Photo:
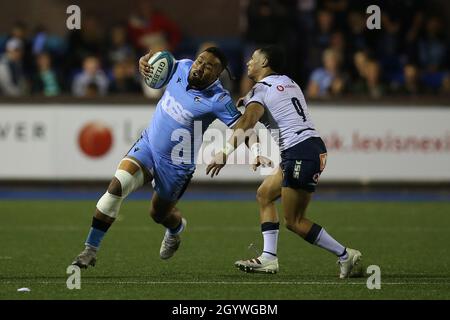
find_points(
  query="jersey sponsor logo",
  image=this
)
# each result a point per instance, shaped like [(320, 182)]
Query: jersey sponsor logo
[(280, 88), (175, 110)]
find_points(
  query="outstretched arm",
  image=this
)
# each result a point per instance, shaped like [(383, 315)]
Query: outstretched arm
[(248, 120), (252, 142)]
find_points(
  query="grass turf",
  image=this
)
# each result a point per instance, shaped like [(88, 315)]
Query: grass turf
[(39, 239)]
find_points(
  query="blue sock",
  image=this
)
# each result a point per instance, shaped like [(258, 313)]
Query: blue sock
[(177, 229), (94, 237), (96, 233)]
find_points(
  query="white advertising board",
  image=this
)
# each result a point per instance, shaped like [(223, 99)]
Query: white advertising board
[(86, 142)]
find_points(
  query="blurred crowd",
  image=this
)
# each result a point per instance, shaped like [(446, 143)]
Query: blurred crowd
[(330, 50)]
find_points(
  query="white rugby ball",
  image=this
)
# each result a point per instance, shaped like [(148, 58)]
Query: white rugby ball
[(163, 64)]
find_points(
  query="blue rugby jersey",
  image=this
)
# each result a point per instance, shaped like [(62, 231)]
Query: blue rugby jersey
[(183, 114)]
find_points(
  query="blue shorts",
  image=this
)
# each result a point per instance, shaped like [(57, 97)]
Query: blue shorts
[(303, 163), (169, 181)]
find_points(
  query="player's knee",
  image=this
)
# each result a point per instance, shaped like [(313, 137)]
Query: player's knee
[(121, 186), (115, 187), (291, 223), (262, 196), (128, 182)]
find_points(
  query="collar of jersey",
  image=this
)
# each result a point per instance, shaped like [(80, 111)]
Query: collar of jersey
[(270, 75), (208, 87)]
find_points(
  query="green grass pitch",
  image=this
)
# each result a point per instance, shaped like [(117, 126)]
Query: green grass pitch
[(39, 239)]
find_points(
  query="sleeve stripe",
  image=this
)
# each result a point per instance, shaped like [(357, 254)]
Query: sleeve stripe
[(265, 83), (254, 101), (234, 122)]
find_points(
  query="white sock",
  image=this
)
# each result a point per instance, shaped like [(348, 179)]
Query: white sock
[(324, 240), (270, 244)]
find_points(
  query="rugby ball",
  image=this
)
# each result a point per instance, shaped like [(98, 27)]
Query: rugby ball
[(163, 64)]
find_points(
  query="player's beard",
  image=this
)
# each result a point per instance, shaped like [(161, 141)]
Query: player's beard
[(197, 82)]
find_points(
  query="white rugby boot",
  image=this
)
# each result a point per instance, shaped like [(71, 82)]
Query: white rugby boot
[(171, 243), (88, 257), (258, 265), (346, 266)]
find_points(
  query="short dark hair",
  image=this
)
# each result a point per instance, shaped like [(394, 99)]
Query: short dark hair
[(276, 57), (219, 54)]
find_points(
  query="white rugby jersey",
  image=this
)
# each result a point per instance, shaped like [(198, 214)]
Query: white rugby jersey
[(285, 111)]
